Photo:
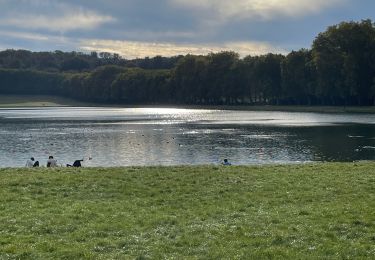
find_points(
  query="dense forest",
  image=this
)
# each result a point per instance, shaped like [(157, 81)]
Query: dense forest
[(339, 69)]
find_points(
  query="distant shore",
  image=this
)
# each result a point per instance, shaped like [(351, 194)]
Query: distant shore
[(14, 101), (18, 101)]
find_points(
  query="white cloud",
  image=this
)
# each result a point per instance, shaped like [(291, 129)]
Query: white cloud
[(65, 22), (54, 16), (25, 36), (133, 49), (263, 9), (41, 42)]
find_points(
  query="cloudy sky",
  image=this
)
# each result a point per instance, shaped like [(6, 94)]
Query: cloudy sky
[(139, 28)]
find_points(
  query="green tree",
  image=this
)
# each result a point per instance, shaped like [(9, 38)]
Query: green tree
[(189, 80), (344, 58), (98, 83), (298, 78), (220, 75)]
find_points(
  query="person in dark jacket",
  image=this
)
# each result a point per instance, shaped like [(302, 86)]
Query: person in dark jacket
[(77, 163)]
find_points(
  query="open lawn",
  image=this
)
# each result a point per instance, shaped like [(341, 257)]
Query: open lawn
[(206, 212)]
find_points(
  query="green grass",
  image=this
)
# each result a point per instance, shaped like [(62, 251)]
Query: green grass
[(207, 212)]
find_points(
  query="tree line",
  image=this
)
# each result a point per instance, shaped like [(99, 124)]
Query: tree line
[(339, 69)]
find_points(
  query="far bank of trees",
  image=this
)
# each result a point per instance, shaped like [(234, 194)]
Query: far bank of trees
[(339, 69)]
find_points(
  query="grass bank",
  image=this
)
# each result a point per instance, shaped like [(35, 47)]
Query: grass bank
[(296, 212)]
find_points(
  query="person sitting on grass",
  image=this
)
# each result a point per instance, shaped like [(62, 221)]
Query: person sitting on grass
[(51, 162), (226, 162), (31, 163), (77, 163)]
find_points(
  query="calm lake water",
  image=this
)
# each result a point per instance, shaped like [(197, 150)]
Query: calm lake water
[(156, 136)]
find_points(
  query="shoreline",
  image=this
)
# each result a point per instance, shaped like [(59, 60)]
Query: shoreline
[(25, 101), (197, 166)]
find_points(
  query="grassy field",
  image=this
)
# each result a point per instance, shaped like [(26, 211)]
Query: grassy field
[(208, 212)]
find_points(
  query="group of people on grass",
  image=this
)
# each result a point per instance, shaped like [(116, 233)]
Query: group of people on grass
[(51, 162)]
